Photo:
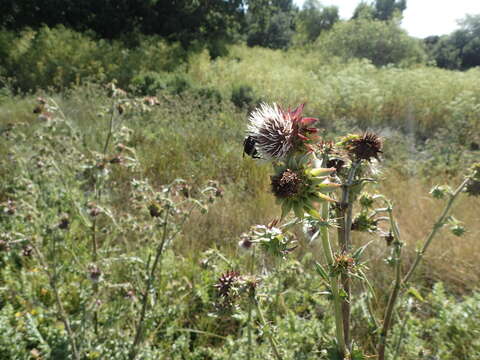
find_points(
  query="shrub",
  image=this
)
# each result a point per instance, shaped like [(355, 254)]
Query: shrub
[(243, 96), (381, 42)]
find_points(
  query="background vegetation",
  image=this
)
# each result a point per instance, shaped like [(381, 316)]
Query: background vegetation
[(204, 74)]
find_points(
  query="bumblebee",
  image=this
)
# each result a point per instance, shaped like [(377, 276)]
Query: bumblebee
[(249, 147)]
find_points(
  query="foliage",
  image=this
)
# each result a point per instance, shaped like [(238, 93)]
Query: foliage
[(381, 42), (60, 58), (270, 23), (313, 19), (201, 22), (460, 49), (191, 126), (382, 10)]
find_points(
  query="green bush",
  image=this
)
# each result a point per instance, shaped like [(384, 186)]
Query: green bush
[(381, 42), (60, 57), (243, 96)]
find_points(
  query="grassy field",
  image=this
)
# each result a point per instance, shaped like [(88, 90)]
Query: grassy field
[(98, 163)]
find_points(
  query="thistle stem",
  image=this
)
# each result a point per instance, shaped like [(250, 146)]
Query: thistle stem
[(272, 341), (396, 288), (327, 249), (434, 231), (344, 241)]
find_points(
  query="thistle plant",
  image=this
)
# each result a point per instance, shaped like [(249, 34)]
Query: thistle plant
[(322, 184)]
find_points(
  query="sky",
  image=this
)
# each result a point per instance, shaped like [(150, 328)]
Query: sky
[(422, 17)]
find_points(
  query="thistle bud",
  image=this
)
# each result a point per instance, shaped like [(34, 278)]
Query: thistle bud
[(458, 230)]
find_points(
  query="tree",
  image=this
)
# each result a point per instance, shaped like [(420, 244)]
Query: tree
[(461, 49), (380, 9), (313, 19), (185, 21), (270, 23)]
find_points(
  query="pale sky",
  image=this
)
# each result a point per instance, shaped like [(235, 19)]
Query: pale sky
[(422, 17)]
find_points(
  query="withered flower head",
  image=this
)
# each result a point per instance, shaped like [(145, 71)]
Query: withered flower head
[(388, 237), (473, 185), (27, 251), (154, 210), (4, 245), (64, 222), (277, 132), (364, 147), (286, 184), (227, 282), (94, 273)]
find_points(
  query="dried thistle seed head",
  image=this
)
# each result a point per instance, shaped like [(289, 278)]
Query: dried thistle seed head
[(4, 245), (27, 251), (365, 147), (473, 187), (246, 243), (64, 222), (94, 273), (94, 211), (286, 184), (226, 283), (154, 210), (388, 237)]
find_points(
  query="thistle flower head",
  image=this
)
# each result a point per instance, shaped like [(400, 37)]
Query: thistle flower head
[(363, 147), (226, 283), (297, 186), (286, 184), (277, 132)]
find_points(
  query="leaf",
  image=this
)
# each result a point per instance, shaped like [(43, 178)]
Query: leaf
[(286, 207), (321, 271), (298, 209), (359, 252), (414, 292), (369, 285)]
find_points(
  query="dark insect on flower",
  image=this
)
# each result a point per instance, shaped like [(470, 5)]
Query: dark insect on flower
[(249, 147)]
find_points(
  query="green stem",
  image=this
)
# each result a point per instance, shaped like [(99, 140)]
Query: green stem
[(327, 249), (344, 241), (268, 333), (434, 231), (150, 280), (395, 291)]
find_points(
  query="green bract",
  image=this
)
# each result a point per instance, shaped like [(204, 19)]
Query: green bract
[(298, 187)]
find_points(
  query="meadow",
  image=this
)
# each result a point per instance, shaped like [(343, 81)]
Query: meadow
[(106, 254)]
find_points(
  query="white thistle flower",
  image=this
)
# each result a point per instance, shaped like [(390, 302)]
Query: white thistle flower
[(276, 132), (272, 130)]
